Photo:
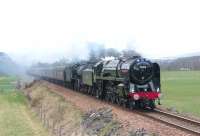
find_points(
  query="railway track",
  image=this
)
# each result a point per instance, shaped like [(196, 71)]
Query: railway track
[(179, 122), (185, 124)]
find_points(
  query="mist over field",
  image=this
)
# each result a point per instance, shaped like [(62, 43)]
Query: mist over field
[(70, 53), (47, 31)]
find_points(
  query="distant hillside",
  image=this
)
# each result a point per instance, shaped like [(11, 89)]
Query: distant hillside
[(7, 65), (184, 63)]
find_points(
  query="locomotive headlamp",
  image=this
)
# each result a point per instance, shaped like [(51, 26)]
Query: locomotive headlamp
[(132, 90), (136, 97)]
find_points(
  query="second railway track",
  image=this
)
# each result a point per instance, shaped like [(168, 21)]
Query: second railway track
[(177, 121)]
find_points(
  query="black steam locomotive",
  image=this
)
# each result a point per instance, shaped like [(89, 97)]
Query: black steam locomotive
[(132, 82)]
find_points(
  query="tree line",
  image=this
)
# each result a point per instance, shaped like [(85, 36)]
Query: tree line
[(184, 63), (96, 53)]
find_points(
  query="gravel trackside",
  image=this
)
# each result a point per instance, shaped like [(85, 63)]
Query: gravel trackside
[(128, 119)]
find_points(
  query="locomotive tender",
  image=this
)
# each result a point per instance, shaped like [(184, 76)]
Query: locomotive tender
[(132, 82)]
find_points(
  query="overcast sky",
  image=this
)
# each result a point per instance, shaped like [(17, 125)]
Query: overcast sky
[(46, 29)]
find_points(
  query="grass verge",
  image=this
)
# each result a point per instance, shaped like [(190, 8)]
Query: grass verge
[(16, 119)]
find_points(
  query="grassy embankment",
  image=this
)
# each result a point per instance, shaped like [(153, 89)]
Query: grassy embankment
[(16, 119), (182, 90)]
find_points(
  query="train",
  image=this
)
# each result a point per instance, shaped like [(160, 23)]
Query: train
[(131, 82)]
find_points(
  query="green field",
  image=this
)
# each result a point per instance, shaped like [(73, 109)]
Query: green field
[(16, 119), (7, 83), (182, 90)]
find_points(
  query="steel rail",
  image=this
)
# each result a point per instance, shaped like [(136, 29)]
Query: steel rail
[(178, 117), (171, 123)]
